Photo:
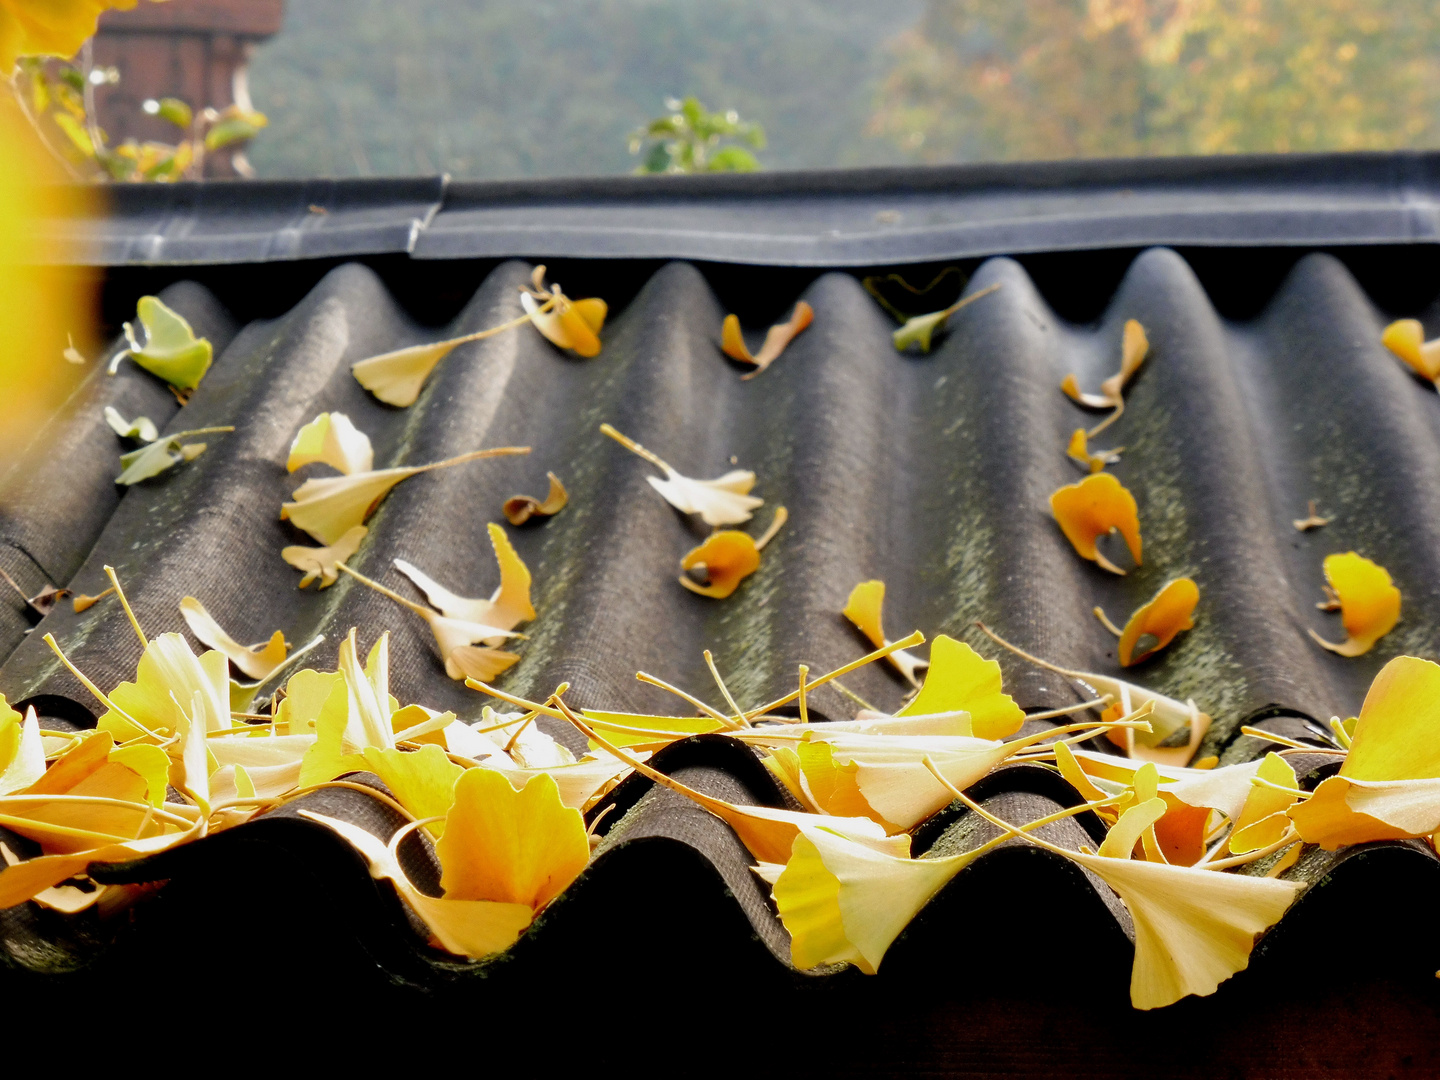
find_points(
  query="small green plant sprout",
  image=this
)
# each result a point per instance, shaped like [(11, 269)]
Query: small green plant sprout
[(688, 139)]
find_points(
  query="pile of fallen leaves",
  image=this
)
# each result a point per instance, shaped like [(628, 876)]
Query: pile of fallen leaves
[(1196, 852)]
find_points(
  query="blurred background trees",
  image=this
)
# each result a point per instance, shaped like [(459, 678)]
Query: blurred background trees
[(986, 79), (489, 89)]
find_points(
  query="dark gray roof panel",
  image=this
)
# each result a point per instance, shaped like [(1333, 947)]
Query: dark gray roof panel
[(932, 473), (863, 217)]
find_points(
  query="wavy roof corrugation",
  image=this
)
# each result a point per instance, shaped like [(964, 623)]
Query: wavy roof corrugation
[(929, 472)]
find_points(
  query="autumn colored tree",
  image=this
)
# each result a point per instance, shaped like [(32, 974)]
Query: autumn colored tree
[(993, 79)]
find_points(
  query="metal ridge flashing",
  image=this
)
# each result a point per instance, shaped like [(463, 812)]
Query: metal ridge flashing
[(252, 221), (822, 218)]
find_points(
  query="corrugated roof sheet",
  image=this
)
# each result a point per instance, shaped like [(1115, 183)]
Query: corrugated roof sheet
[(930, 472)]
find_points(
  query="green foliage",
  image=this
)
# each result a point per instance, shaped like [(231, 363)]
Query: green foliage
[(56, 97), (688, 138)]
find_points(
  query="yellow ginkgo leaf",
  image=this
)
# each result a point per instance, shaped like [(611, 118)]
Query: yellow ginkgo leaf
[(333, 439), (324, 562), (578, 782), (1120, 841), (891, 778), (422, 781), (397, 377), (1095, 507), (330, 753), (1406, 339), (885, 778), (306, 693), (22, 749), (257, 661), (1389, 785), (328, 507), (167, 678), (865, 608), (845, 902), (1134, 347), (767, 832), (1169, 613), (515, 847), (570, 324), (1369, 602), (507, 607), (1093, 460), (26, 880), (518, 509), (1262, 820), (354, 713), (727, 558), (472, 928), (642, 729), (123, 780), (1190, 796), (456, 639), (270, 763), (482, 662), (1193, 928), (960, 679), (725, 501), (1168, 717), (1397, 734), (171, 349), (732, 342)]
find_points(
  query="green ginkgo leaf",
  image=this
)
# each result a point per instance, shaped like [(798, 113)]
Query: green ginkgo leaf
[(921, 328), (171, 349), (154, 458), (141, 429)]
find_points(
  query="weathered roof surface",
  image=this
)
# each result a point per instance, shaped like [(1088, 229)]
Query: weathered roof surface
[(930, 472), (825, 219)]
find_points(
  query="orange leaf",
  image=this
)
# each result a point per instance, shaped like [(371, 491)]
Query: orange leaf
[(1093, 508), (732, 343)]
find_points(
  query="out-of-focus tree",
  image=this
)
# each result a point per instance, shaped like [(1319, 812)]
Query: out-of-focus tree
[(689, 138), (59, 99), (987, 79), (39, 38)]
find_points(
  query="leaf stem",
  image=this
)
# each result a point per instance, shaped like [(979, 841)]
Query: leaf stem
[(635, 448), (965, 300), (125, 603), (49, 639), (781, 516), (714, 714), (916, 638), (498, 451), (419, 609), (740, 721), (524, 703), (854, 696), (1105, 621)]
